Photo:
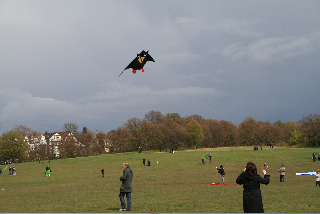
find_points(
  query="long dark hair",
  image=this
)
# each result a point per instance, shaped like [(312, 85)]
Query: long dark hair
[(251, 169)]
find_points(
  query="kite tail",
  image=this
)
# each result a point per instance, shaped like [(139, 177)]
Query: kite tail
[(134, 71), (142, 70)]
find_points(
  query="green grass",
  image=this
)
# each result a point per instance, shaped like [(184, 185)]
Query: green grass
[(180, 183)]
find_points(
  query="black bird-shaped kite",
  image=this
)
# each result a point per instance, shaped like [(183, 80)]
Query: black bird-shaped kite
[(139, 62)]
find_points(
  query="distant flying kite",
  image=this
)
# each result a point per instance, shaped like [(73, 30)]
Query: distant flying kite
[(139, 62)]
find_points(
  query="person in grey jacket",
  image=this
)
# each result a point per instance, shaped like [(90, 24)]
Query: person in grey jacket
[(126, 187)]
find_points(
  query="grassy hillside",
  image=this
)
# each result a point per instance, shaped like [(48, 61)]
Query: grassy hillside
[(180, 183)]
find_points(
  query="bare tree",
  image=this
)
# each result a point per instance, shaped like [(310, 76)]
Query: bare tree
[(70, 127), (24, 130), (154, 117)]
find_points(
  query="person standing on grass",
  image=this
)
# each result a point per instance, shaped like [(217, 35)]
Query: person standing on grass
[(221, 171), (252, 199), (48, 170), (126, 187), (282, 171), (13, 170), (102, 171), (318, 178)]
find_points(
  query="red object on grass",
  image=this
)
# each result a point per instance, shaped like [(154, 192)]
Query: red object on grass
[(223, 184)]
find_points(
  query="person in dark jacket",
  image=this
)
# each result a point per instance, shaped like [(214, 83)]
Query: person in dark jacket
[(126, 187), (221, 171), (102, 171), (252, 199)]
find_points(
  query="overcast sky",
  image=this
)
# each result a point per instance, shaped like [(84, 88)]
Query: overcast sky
[(224, 60)]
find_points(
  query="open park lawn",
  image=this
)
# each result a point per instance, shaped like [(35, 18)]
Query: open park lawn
[(180, 183)]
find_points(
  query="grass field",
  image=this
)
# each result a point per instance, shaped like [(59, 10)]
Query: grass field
[(180, 183)]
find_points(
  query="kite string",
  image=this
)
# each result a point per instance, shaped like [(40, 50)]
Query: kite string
[(190, 94)]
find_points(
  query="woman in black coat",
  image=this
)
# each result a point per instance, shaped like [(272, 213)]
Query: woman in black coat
[(252, 199)]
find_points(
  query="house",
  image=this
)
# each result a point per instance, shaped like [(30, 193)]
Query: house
[(51, 140), (103, 140)]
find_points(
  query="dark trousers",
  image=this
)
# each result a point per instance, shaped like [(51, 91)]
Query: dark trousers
[(123, 201), (281, 178)]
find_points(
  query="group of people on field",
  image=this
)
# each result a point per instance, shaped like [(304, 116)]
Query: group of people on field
[(252, 199), (315, 157), (249, 178), (12, 171)]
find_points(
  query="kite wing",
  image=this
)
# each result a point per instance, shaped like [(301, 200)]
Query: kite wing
[(135, 64)]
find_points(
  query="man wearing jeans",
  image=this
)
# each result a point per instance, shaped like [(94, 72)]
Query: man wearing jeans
[(126, 187)]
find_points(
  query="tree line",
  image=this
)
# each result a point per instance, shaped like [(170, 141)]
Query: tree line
[(157, 131)]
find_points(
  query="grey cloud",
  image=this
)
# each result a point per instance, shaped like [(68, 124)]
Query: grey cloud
[(20, 107), (273, 49)]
